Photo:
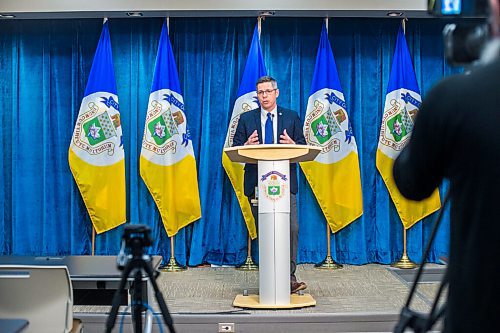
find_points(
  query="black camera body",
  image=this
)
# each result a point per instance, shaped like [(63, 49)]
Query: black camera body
[(464, 40), (137, 233), (135, 238)]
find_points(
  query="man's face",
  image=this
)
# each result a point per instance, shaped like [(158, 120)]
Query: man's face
[(267, 95)]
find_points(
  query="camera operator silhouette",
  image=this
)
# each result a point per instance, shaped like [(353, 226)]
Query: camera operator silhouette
[(455, 137)]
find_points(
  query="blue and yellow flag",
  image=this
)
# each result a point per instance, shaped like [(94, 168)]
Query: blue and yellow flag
[(167, 162), (96, 156), (402, 103), (246, 100), (334, 174)]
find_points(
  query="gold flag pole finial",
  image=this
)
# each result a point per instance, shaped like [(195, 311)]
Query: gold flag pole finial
[(259, 24)]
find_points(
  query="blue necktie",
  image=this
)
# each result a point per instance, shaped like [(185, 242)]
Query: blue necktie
[(269, 136)]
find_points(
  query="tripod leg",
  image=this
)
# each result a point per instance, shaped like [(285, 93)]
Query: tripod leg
[(110, 323), (148, 321), (167, 318), (137, 302)]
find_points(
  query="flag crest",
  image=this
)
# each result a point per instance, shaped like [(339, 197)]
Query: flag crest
[(246, 100), (167, 162), (402, 103), (96, 156), (334, 175)]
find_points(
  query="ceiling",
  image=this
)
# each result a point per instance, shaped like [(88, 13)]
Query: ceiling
[(63, 9)]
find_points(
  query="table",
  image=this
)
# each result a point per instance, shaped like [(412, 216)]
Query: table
[(94, 278)]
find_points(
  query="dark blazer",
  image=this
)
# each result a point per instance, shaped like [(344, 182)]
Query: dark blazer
[(249, 122)]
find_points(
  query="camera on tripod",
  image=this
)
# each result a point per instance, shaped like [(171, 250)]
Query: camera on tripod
[(136, 265), (135, 238), (464, 41)]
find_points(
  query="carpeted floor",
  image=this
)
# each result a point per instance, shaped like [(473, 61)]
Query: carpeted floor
[(368, 288)]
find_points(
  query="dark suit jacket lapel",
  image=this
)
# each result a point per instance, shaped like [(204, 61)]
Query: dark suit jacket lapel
[(280, 124), (258, 125)]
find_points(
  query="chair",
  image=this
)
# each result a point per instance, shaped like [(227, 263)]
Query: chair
[(41, 294)]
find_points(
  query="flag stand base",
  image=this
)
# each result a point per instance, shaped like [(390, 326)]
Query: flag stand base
[(172, 266), (404, 263), (249, 265), (329, 264)]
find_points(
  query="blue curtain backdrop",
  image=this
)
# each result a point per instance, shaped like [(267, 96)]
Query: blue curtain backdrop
[(44, 66)]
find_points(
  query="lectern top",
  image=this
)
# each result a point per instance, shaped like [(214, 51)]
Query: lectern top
[(272, 152)]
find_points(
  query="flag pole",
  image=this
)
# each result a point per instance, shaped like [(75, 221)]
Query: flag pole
[(259, 24), (172, 265), (104, 20), (93, 240), (249, 264), (328, 263), (404, 262)]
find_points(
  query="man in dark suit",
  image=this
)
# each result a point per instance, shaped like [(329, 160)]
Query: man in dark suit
[(272, 124)]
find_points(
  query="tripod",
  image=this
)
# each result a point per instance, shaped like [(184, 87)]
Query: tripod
[(137, 263), (420, 322)]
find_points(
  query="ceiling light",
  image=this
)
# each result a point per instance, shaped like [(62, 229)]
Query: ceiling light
[(135, 14), (395, 14), (267, 13)]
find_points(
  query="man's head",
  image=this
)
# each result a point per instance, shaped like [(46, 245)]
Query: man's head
[(267, 92)]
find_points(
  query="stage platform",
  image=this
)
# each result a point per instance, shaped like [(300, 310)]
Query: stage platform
[(364, 298)]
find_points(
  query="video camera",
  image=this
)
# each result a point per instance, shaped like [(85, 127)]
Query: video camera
[(135, 238), (137, 265), (465, 40)]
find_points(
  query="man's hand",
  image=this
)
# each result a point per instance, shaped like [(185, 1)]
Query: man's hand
[(253, 139), (284, 138)]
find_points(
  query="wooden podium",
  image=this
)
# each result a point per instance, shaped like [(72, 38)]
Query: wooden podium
[(273, 184)]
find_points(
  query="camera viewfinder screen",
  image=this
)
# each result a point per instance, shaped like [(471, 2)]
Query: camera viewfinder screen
[(451, 7)]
